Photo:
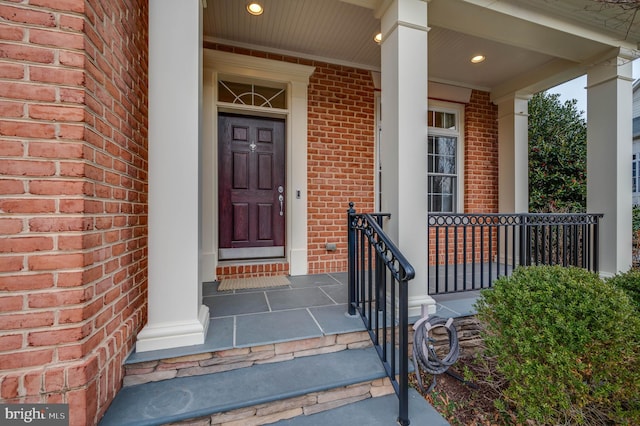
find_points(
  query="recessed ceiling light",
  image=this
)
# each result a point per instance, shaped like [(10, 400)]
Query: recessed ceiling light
[(478, 58), (378, 38), (255, 8)]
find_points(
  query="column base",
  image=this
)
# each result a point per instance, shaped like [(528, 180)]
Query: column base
[(208, 262), (421, 305), (174, 334), (298, 262)]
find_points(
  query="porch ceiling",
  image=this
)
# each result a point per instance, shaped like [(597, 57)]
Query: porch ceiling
[(530, 45)]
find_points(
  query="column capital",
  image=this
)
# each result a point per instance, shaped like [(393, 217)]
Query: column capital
[(404, 13), (609, 69), (512, 97)]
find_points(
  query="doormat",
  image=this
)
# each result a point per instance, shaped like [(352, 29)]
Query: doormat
[(250, 283)]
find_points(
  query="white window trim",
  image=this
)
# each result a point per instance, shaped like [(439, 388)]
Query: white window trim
[(458, 111)]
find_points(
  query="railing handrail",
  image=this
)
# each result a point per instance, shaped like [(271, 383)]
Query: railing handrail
[(363, 287), (404, 271), (436, 219)]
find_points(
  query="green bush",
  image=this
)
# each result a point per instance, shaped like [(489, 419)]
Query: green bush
[(630, 283), (567, 344)]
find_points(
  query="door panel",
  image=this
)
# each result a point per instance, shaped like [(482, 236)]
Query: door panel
[(265, 171), (240, 170), (251, 171)]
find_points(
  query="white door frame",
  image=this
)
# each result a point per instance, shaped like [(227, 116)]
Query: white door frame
[(296, 79)]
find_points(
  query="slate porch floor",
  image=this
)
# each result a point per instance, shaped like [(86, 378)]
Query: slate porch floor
[(311, 306)]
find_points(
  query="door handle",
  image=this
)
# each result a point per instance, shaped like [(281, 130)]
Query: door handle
[(281, 199)]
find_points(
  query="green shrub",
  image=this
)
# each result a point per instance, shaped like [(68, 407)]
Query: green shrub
[(630, 283), (567, 344)]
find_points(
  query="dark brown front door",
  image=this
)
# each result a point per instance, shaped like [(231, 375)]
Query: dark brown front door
[(251, 187)]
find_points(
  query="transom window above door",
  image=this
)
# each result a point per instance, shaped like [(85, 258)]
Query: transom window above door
[(251, 95)]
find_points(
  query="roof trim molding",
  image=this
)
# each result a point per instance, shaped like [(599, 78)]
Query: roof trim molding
[(251, 66), (290, 53)]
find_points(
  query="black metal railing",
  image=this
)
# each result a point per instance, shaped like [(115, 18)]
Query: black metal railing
[(378, 291), (469, 251)]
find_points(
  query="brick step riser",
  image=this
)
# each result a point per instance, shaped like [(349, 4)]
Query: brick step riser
[(252, 270)]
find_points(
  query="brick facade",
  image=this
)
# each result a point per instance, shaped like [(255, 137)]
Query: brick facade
[(73, 179), (73, 224)]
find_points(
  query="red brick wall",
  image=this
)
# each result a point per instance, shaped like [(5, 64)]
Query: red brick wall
[(481, 154), (340, 159), (73, 208)]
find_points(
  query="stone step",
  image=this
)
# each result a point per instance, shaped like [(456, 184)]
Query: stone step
[(382, 411), (166, 365), (259, 394)]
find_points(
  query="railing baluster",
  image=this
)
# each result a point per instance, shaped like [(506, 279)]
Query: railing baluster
[(490, 252), (455, 257), (482, 229), (464, 257), (473, 258), (437, 257), (446, 259), (596, 233), (514, 247), (370, 286), (586, 255)]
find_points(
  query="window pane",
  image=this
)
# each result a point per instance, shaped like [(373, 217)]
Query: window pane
[(249, 94), (270, 97), (445, 120), (447, 203), (442, 154), (442, 193), (229, 91), (435, 203), (445, 165)]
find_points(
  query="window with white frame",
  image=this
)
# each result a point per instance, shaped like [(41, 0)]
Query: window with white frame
[(444, 158)]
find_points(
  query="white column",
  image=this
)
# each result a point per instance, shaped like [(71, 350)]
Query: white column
[(513, 155), (175, 314), (609, 150), (513, 162), (403, 139)]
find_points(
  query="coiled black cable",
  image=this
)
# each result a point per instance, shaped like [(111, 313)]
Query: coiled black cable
[(424, 354)]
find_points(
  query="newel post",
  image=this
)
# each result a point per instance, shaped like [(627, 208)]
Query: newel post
[(351, 261)]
